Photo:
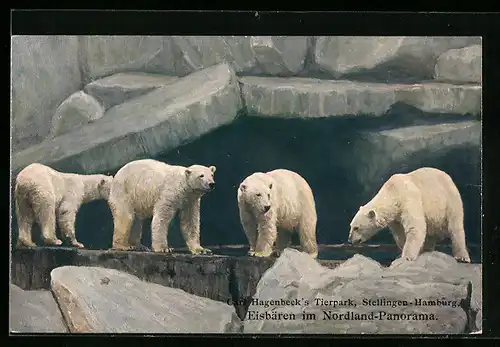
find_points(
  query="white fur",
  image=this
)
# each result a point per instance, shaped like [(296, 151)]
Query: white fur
[(149, 188), (291, 208), (43, 194), (420, 208)]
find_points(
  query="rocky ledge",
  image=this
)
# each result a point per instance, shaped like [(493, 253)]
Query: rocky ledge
[(129, 116)]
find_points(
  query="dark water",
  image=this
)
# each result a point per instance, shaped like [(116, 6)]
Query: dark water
[(321, 151)]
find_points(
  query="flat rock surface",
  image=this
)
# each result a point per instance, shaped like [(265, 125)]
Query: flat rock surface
[(103, 55), (102, 300), (460, 65), (120, 87), (34, 311), (315, 98), (360, 296), (144, 126)]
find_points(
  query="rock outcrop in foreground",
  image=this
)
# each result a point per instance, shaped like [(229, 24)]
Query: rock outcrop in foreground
[(221, 278), (433, 295), (98, 300), (140, 292), (34, 311)]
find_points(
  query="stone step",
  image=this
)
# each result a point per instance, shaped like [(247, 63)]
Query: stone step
[(144, 126), (316, 98)]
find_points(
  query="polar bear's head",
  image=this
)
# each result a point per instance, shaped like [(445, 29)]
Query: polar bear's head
[(257, 190), (104, 186), (200, 178), (365, 224)]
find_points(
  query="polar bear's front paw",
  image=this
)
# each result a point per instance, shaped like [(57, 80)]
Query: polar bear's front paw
[(121, 248), (163, 250), (77, 244), (462, 259), (201, 250), (409, 257), (23, 243), (52, 242)]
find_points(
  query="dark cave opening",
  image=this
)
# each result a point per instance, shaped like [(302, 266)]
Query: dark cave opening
[(322, 151)]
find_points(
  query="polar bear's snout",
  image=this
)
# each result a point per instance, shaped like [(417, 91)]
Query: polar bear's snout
[(354, 237)]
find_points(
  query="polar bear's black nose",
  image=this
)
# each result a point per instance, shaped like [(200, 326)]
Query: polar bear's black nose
[(266, 208), (211, 185)]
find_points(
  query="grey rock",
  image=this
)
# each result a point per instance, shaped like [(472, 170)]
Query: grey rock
[(126, 304), (105, 55), (386, 58), (460, 65), (34, 311), (280, 55), (318, 296), (274, 55), (120, 87), (384, 150), (44, 72), (443, 98), (144, 126), (74, 112), (314, 98)]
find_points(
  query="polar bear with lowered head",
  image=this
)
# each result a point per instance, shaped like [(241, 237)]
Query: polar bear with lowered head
[(148, 188), (45, 195), (420, 208), (272, 205)]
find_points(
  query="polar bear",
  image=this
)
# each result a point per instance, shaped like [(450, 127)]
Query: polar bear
[(45, 195), (149, 188), (420, 208), (274, 204)]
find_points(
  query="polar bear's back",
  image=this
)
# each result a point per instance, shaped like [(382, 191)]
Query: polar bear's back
[(38, 178), (438, 193), (141, 182), (295, 186), (295, 197)]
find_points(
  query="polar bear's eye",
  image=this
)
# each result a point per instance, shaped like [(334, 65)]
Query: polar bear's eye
[(201, 176), (259, 194)]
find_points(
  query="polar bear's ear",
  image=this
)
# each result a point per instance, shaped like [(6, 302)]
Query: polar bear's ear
[(270, 186), (243, 187), (188, 172), (371, 214), (213, 168)]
